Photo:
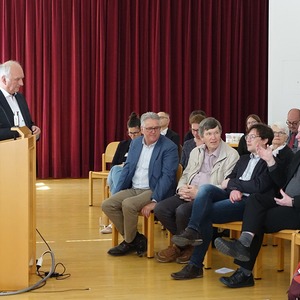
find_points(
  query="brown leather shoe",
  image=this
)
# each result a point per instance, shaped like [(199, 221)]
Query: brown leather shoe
[(185, 256), (168, 255)]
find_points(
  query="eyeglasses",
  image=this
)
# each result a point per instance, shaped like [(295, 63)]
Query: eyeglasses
[(292, 123), (251, 122), (149, 129), (251, 136), (279, 133), (195, 130), (133, 133)]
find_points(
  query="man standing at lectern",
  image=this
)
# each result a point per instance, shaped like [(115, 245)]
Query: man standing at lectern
[(14, 110)]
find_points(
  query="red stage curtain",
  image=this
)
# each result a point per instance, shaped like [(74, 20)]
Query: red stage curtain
[(89, 63)]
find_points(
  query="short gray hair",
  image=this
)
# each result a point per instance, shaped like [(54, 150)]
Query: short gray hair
[(149, 115), (209, 123), (5, 67), (282, 126)]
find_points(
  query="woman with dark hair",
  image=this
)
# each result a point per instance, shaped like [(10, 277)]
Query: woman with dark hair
[(250, 120)]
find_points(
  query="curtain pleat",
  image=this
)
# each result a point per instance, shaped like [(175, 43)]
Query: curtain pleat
[(89, 63)]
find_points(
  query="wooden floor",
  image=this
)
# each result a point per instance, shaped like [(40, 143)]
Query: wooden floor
[(72, 229)]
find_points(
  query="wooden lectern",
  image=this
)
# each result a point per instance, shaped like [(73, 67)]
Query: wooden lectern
[(17, 210)]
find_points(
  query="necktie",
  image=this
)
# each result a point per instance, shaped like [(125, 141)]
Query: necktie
[(292, 140)]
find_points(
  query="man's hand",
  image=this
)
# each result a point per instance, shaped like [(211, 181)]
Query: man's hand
[(235, 196), (188, 192), (286, 200), (36, 131), (146, 210), (266, 154)]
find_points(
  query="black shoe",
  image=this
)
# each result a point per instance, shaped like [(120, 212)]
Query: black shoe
[(140, 244), (188, 237), (233, 248), (121, 249), (188, 272), (238, 279)]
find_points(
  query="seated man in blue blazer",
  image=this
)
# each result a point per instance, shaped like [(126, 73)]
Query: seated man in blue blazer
[(14, 110), (148, 176)]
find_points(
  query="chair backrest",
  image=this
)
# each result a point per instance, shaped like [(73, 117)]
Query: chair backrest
[(108, 155), (179, 172)]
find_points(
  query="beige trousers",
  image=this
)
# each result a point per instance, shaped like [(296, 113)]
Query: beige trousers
[(123, 209)]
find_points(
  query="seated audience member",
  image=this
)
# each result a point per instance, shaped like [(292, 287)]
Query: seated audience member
[(279, 147), (148, 176), (211, 162), (165, 130), (189, 135), (196, 141), (134, 131), (273, 211), (226, 204), (293, 121), (242, 146)]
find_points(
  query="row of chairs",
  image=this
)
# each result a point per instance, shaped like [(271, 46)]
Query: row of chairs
[(234, 227)]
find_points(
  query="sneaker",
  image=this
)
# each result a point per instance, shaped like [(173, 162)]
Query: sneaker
[(168, 255), (238, 279), (188, 272), (233, 248), (185, 255), (107, 229), (188, 237)]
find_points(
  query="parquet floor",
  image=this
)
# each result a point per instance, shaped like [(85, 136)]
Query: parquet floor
[(71, 228)]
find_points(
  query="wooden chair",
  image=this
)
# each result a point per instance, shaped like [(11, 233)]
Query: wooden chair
[(107, 158), (235, 229), (287, 234), (295, 252), (147, 226), (280, 237)]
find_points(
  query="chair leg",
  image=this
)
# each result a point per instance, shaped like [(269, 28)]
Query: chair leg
[(115, 236), (280, 255), (150, 235), (169, 238), (90, 189), (207, 258), (257, 270), (295, 256)]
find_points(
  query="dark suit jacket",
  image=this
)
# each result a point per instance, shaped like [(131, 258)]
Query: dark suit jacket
[(7, 116), (173, 136), (162, 168), (282, 175), (259, 182)]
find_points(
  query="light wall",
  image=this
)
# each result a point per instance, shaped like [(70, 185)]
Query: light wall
[(284, 58)]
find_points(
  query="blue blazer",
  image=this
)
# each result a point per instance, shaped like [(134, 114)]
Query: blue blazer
[(7, 116), (162, 168)]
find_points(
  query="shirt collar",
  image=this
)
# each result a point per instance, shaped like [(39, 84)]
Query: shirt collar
[(164, 132)]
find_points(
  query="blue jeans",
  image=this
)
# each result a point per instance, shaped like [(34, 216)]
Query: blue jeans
[(113, 178), (212, 205)]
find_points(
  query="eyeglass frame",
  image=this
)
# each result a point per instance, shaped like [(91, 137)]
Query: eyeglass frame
[(279, 133), (251, 136), (295, 123), (134, 133), (149, 129)]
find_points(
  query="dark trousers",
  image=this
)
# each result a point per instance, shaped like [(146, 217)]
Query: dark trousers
[(174, 213), (263, 215)]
